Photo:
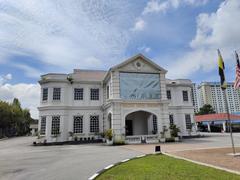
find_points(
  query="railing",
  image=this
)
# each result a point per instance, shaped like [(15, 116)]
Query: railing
[(151, 138), (141, 139), (133, 139)]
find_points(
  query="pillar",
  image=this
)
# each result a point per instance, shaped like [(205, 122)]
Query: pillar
[(208, 126), (224, 127)]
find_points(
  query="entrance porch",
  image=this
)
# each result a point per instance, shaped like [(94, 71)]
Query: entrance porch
[(141, 127)]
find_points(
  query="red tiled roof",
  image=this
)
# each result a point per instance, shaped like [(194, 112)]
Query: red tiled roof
[(216, 117)]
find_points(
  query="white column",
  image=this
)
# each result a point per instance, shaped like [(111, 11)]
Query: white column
[(208, 125), (224, 127), (48, 128)]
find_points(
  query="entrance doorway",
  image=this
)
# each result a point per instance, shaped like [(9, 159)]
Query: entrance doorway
[(129, 128), (140, 123)]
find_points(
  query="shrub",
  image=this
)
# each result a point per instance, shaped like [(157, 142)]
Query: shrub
[(118, 143), (170, 139), (70, 133), (108, 134), (174, 130)]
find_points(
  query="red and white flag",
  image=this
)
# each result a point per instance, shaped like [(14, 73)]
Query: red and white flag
[(237, 79)]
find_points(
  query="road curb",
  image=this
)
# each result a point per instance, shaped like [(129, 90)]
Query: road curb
[(112, 165), (201, 163), (4, 139), (164, 153)]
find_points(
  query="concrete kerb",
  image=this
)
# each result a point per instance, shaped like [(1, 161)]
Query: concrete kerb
[(201, 163), (112, 165), (2, 139)]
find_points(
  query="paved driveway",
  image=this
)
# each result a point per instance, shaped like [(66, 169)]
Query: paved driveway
[(213, 140), (19, 160)]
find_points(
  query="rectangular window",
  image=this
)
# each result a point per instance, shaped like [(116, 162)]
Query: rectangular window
[(56, 93), (78, 124), (185, 95), (171, 120), (188, 121), (107, 92), (94, 94), (94, 124), (43, 125), (155, 123), (45, 94), (55, 125), (169, 94), (78, 93)]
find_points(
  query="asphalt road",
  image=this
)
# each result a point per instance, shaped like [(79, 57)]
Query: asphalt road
[(19, 160)]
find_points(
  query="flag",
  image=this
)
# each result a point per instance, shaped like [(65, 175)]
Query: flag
[(237, 79), (221, 71)]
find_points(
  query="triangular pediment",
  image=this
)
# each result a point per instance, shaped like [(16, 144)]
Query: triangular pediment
[(139, 63)]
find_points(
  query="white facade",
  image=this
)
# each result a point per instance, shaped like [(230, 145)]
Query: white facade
[(211, 93), (145, 113)]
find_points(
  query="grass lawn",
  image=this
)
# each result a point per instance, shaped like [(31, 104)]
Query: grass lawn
[(164, 167)]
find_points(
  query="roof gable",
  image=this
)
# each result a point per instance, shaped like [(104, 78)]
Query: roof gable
[(143, 59)]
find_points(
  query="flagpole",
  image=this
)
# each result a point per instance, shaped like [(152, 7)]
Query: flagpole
[(229, 120)]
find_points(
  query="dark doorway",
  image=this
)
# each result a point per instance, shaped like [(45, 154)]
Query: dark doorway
[(129, 128)]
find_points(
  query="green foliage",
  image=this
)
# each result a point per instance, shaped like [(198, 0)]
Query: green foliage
[(118, 142), (13, 119), (70, 79), (108, 134), (206, 109), (164, 167), (174, 130), (70, 133), (171, 139)]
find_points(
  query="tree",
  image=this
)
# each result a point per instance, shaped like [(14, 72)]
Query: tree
[(5, 118), (206, 109), (13, 119)]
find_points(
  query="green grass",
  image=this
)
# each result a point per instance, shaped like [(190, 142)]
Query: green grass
[(164, 167)]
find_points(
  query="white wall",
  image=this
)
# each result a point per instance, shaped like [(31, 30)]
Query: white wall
[(66, 122), (67, 94)]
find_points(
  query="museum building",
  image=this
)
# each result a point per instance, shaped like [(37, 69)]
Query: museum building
[(133, 98)]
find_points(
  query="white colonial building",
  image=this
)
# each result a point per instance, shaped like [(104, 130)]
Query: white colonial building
[(133, 98)]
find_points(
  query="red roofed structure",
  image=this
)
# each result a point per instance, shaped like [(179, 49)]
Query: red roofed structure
[(217, 122), (216, 117)]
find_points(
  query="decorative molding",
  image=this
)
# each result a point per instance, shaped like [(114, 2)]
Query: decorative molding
[(70, 108)]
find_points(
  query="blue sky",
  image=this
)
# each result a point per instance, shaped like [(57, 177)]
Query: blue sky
[(38, 37)]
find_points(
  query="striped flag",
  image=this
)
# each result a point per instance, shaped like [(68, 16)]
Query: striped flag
[(221, 68), (237, 79)]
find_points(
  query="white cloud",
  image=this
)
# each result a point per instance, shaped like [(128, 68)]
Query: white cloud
[(5, 78), (29, 71), (28, 94), (216, 30), (64, 34), (144, 49), (139, 25), (220, 29), (159, 6), (156, 6)]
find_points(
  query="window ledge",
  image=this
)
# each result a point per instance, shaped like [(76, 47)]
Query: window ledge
[(42, 136), (56, 101), (93, 134), (78, 134), (55, 136)]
